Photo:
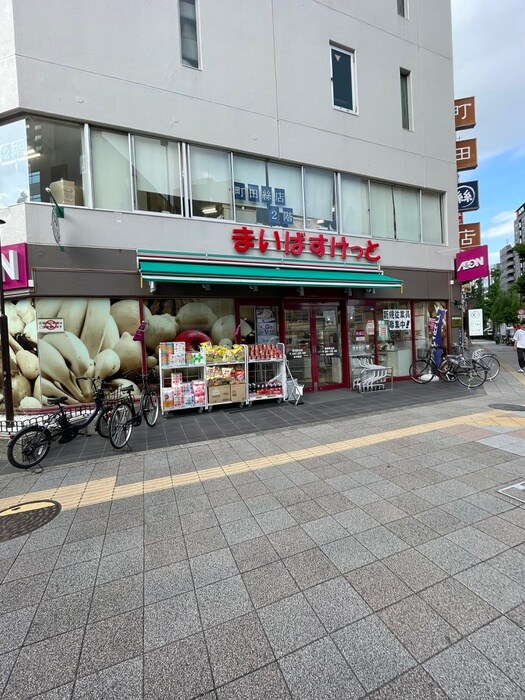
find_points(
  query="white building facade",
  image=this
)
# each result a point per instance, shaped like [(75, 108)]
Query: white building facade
[(222, 162)]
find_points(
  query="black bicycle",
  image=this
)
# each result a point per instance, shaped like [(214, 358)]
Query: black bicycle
[(469, 373), (127, 416), (425, 369), (30, 445)]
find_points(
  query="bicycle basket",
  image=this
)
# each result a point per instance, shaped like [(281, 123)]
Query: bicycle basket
[(477, 354)]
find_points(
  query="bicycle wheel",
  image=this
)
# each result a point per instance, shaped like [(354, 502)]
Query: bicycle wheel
[(491, 364), (421, 371), (102, 425), (447, 371), (120, 426), (151, 408), (29, 447), (472, 377)]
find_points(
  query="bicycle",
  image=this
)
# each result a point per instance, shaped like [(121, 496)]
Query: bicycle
[(30, 445), (126, 416), (470, 373), (489, 362), (425, 369)]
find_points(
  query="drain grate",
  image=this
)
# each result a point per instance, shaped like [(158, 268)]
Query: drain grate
[(24, 518), (515, 491), (507, 407)]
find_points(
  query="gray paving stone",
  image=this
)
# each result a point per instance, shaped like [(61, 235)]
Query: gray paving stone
[(108, 642), (384, 512), (510, 563), (435, 495), (205, 541), (306, 511), (503, 643), (438, 520), (372, 652), (241, 530), (412, 531), (497, 589), (44, 665), (223, 497), (157, 530), (122, 540), (411, 503), (465, 511), (361, 495), (381, 541), (517, 615), (447, 555), (164, 552), (223, 601), (125, 520), (120, 682), (64, 692), (7, 661), (502, 530), (290, 541), (377, 585), (461, 608), (325, 530), (269, 583), (478, 543), (310, 567), (237, 647), (86, 529), (33, 563), (179, 670), (347, 554), (262, 503), (492, 503), (355, 520), (167, 581), (117, 597), (421, 630), (515, 516), (71, 579), (413, 685), (236, 510), (170, 620), (334, 503), (414, 569), (290, 624), (120, 565), (466, 674), (58, 615), (385, 488), (319, 672), (44, 538), (14, 626), (212, 567), (274, 520), (265, 684), (291, 496), (199, 520), (336, 603), (253, 553)]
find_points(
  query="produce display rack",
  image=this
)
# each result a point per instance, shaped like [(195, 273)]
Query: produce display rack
[(266, 373)]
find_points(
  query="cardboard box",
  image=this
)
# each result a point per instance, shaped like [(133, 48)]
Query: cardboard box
[(66, 192), (238, 392), (219, 393)]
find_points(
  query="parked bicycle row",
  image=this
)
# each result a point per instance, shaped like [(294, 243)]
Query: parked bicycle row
[(471, 372), (115, 413)]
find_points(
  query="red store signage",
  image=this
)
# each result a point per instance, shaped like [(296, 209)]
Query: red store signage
[(246, 239)]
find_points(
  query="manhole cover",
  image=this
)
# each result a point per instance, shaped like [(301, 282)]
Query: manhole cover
[(515, 491), (507, 407), (26, 517)]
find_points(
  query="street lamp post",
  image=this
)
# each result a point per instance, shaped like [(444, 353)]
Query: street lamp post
[(4, 342)]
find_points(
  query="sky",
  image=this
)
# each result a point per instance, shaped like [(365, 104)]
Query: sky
[(489, 64)]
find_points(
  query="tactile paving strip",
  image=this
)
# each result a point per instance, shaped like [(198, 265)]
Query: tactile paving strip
[(25, 517)]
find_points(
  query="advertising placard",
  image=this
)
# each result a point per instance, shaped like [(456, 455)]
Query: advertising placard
[(472, 264)]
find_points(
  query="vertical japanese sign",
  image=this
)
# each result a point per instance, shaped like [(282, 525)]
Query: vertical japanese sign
[(437, 336), (465, 113)]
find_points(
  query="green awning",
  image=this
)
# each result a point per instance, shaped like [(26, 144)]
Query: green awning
[(210, 273)]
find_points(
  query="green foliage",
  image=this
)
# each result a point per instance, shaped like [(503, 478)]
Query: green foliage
[(520, 250), (505, 307), (519, 284)]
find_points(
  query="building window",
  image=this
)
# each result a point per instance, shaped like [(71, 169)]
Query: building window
[(157, 175), (402, 8), (286, 193), (343, 79), (189, 45), (111, 170), (14, 155), (210, 183), (319, 194), (395, 212), (404, 77), (432, 217), (355, 220), (250, 176)]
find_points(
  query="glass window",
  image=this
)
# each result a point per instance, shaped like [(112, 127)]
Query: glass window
[(189, 47), (432, 217), (343, 79), (157, 175), (382, 210), (286, 207), (210, 183), (404, 77), (14, 178), (55, 150), (394, 335), (111, 170), (354, 206), (250, 176), (402, 8), (319, 192), (407, 215)]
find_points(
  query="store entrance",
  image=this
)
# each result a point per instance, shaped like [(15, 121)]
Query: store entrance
[(313, 345)]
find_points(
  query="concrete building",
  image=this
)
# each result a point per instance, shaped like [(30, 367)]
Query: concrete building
[(509, 265), (224, 161)]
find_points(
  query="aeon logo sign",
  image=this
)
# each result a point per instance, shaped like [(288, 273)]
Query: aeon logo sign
[(14, 266), (472, 264)]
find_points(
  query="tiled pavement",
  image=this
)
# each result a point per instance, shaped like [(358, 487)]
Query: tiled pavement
[(363, 556)]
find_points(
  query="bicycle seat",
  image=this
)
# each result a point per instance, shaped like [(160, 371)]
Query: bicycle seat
[(56, 401)]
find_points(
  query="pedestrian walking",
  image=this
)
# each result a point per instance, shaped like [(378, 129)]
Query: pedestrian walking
[(519, 345)]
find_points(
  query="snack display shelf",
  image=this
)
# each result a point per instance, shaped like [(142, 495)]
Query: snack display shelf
[(266, 373)]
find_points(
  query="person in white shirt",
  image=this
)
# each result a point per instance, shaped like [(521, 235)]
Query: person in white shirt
[(519, 345)]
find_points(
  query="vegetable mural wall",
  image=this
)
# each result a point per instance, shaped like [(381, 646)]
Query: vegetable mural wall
[(97, 340)]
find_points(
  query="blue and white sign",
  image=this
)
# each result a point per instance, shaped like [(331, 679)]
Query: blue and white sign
[(468, 196), (274, 218), (239, 189), (266, 194), (280, 197), (287, 216), (253, 193)]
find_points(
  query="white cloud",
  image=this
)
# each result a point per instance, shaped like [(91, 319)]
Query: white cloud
[(502, 226), (489, 63)]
